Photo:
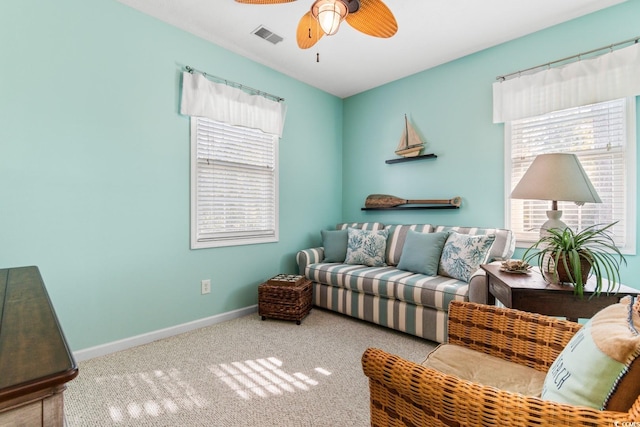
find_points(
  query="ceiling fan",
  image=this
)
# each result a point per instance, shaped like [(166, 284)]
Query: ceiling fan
[(371, 17)]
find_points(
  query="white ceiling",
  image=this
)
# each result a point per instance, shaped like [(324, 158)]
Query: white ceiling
[(430, 33)]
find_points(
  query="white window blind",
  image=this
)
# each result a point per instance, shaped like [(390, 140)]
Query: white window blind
[(234, 185), (598, 134)]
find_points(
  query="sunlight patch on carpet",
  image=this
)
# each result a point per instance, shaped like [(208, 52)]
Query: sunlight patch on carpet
[(262, 378), (171, 394)]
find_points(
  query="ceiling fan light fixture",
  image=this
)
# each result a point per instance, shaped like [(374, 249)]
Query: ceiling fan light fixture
[(329, 14)]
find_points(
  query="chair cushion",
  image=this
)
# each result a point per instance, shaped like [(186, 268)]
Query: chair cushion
[(487, 370), (592, 368)]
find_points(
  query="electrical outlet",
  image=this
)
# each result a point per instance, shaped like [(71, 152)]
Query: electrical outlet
[(205, 286)]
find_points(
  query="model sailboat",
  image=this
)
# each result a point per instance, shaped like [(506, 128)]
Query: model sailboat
[(410, 144)]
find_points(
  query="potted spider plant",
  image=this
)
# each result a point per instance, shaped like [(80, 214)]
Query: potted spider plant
[(569, 257)]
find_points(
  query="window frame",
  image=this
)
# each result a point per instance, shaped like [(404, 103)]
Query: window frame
[(630, 180), (196, 242)]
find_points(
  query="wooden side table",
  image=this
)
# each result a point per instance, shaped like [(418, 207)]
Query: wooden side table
[(530, 292), (35, 360), (285, 297)]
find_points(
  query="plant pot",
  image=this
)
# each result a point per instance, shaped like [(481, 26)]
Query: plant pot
[(594, 246), (563, 275)]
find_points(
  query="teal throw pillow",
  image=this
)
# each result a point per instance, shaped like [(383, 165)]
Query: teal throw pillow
[(335, 245), (463, 253), (366, 247), (421, 252), (598, 358)]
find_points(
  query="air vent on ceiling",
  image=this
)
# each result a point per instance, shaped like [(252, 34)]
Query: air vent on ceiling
[(268, 35)]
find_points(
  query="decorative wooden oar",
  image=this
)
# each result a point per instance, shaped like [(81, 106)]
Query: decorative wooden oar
[(386, 201)]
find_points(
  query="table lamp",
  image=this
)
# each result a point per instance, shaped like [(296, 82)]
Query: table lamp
[(556, 177)]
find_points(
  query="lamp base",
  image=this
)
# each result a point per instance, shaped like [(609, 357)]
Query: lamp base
[(553, 222), (548, 267)]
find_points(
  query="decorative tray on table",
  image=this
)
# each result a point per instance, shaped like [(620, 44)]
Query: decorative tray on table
[(515, 266)]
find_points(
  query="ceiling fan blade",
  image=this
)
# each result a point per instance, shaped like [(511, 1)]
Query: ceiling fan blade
[(373, 18), (309, 31), (264, 1)]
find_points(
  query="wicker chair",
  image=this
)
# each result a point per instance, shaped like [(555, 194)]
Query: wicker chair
[(404, 393)]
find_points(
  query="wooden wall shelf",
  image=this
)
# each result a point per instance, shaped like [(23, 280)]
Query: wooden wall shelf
[(406, 208), (410, 159)]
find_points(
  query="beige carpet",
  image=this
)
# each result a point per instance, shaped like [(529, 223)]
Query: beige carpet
[(244, 372)]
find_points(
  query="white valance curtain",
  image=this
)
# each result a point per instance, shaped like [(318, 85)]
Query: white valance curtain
[(610, 76), (203, 98)]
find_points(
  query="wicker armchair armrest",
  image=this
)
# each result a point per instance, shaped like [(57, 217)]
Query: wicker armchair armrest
[(406, 393), (529, 339), (308, 256)]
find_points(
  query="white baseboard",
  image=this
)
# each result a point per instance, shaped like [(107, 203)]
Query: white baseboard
[(112, 347)]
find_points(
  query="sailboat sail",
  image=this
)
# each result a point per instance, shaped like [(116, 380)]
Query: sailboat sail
[(410, 144)]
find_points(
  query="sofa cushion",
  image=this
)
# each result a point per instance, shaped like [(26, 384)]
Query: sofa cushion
[(421, 252), (503, 246), (484, 369), (462, 255), (334, 243), (429, 291), (366, 247), (397, 237), (598, 357), (377, 281), (373, 226)]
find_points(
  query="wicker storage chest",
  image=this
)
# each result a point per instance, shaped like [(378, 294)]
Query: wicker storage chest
[(285, 297)]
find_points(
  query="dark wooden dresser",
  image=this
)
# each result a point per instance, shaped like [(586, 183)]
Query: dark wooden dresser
[(35, 360)]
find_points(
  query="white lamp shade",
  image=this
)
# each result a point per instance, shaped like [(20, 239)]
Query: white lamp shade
[(557, 177)]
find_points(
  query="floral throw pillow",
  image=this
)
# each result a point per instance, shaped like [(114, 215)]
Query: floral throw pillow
[(366, 247), (462, 255)]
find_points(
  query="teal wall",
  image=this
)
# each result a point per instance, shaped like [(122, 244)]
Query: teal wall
[(451, 105), (94, 169), (94, 158)]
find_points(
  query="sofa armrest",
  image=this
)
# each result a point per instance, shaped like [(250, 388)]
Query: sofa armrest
[(478, 286), (529, 339), (406, 393), (308, 256)]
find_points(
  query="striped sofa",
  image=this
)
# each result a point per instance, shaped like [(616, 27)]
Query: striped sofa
[(409, 302)]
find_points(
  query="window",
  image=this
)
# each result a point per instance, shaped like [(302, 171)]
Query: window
[(234, 185), (603, 137)]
